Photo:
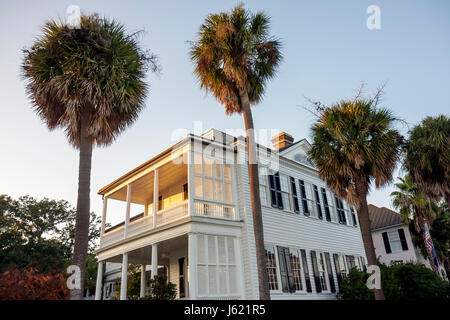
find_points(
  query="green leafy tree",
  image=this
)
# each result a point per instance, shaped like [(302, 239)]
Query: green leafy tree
[(427, 157), (413, 204), (440, 234), (88, 81), (162, 289), (354, 144), (39, 234), (234, 57)]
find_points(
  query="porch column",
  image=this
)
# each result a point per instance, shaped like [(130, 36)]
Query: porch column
[(191, 181), (127, 212), (124, 277), (155, 197), (105, 206), (99, 285), (154, 260), (142, 293), (192, 262)]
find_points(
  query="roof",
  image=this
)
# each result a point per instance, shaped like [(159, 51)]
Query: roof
[(383, 217)]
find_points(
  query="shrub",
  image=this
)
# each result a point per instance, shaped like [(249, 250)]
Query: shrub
[(353, 286), (411, 281), (30, 284), (401, 281)]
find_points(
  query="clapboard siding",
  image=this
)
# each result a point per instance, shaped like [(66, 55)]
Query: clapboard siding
[(289, 229)]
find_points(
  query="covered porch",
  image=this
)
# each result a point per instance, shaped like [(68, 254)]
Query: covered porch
[(171, 255)]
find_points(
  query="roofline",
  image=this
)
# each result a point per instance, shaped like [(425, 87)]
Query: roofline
[(103, 190), (389, 226)]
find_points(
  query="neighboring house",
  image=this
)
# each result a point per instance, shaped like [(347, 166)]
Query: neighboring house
[(392, 239), (200, 232)]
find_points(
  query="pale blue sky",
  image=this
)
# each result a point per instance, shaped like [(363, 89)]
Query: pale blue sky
[(328, 51)]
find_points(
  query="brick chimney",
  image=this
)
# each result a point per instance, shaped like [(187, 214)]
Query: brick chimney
[(282, 141)]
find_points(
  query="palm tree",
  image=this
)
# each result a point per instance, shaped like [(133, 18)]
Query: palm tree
[(428, 157), (353, 145), (234, 57), (413, 204), (90, 82)]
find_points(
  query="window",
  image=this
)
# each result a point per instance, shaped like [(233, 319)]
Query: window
[(394, 241), (325, 204), (322, 272), (294, 258), (319, 271), (306, 271), (294, 195), (339, 266), (350, 262), (285, 192), (217, 270), (317, 198), (271, 266), (340, 210), (275, 191), (305, 193), (329, 272), (212, 179)]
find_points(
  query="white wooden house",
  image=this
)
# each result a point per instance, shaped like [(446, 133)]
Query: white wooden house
[(200, 233)]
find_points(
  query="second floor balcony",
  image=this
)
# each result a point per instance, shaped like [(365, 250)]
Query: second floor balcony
[(184, 185)]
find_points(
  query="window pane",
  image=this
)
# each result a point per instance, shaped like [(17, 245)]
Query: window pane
[(230, 248), (201, 256), (233, 279), (218, 190), (198, 187), (218, 170), (271, 268), (208, 188), (228, 196), (198, 163), (223, 270), (211, 249), (202, 280), (208, 166), (227, 171), (212, 277), (221, 248)]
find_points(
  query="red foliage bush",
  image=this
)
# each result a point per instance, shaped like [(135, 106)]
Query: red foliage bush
[(31, 285)]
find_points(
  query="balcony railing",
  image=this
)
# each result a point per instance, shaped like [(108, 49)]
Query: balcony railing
[(212, 209), (141, 223)]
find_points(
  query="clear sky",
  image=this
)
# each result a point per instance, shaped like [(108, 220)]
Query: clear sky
[(328, 52)]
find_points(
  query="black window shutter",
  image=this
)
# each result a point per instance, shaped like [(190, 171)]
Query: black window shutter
[(387, 246), (316, 272), (283, 269), (330, 272), (306, 271), (338, 268), (273, 195), (325, 202), (401, 234), (319, 208), (294, 195)]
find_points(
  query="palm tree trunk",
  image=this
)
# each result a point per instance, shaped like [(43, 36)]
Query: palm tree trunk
[(366, 232), (83, 207), (264, 293)]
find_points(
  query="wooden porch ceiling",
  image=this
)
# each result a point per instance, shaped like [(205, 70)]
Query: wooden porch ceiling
[(142, 189)]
